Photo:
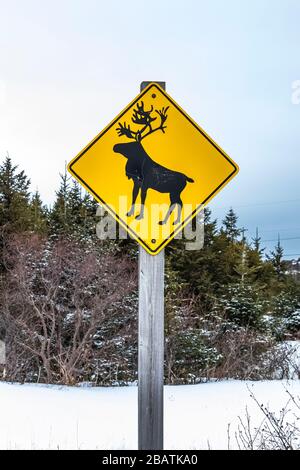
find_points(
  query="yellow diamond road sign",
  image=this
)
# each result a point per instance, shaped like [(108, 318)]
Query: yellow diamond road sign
[(153, 168)]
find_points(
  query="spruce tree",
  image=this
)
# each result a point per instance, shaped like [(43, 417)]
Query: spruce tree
[(248, 265), (210, 227), (257, 243), (89, 210), (82, 210), (59, 217), (14, 197), (230, 228), (260, 271), (276, 258), (39, 214), (75, 210), (196, 268)]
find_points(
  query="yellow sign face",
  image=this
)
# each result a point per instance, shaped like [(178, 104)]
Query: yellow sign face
[(153, 168)]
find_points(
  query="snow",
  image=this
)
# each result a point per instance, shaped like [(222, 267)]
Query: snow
[(196, 416)]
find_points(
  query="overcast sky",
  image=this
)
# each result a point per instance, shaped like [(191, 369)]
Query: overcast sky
[(68, 67)]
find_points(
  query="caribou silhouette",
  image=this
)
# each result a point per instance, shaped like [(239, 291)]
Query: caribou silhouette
[(145, 172)]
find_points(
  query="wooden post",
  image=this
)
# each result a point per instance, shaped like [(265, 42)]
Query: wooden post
[(151, 346)]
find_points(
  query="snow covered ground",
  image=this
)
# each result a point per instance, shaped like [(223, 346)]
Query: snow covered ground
[(196, 416)]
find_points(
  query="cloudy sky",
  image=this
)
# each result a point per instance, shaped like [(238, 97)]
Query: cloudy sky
[(68, 67)]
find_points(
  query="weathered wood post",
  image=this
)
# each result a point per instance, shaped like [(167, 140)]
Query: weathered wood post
[(151, 346)]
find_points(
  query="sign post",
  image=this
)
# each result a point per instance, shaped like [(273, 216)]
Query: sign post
[(151, 347), (153, 169)]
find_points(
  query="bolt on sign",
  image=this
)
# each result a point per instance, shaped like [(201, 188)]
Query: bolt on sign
[(153, 168)]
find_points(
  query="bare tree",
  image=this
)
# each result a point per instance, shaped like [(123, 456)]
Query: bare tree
[(57, 297)]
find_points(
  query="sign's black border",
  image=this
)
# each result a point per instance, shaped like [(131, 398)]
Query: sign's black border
[(187, 220)]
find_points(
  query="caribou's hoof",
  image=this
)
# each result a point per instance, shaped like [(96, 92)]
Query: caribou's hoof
[(161, 222), (139, 217), (129, 214)]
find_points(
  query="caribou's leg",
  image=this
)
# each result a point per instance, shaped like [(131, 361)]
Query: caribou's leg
[(143, 199), (135, 192), (170, 210), (175, 201), (179, 205)]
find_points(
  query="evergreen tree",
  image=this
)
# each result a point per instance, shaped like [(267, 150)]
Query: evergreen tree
[(276, 258), (240, 305), (230, 228), (210, 227), (14, 197), (261, 271), (208, 269), (226, 255), (89, 208), (82, 210), (257, 243), (75, 211), (59, 217), (248, 265), (39, 214)]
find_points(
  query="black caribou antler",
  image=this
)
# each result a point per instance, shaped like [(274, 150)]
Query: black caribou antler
[(141, 117)]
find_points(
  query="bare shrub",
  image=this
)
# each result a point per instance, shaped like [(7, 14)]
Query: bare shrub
[(276, 431), (201, 346), (241, 352), (281, 361), (56, 298)]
